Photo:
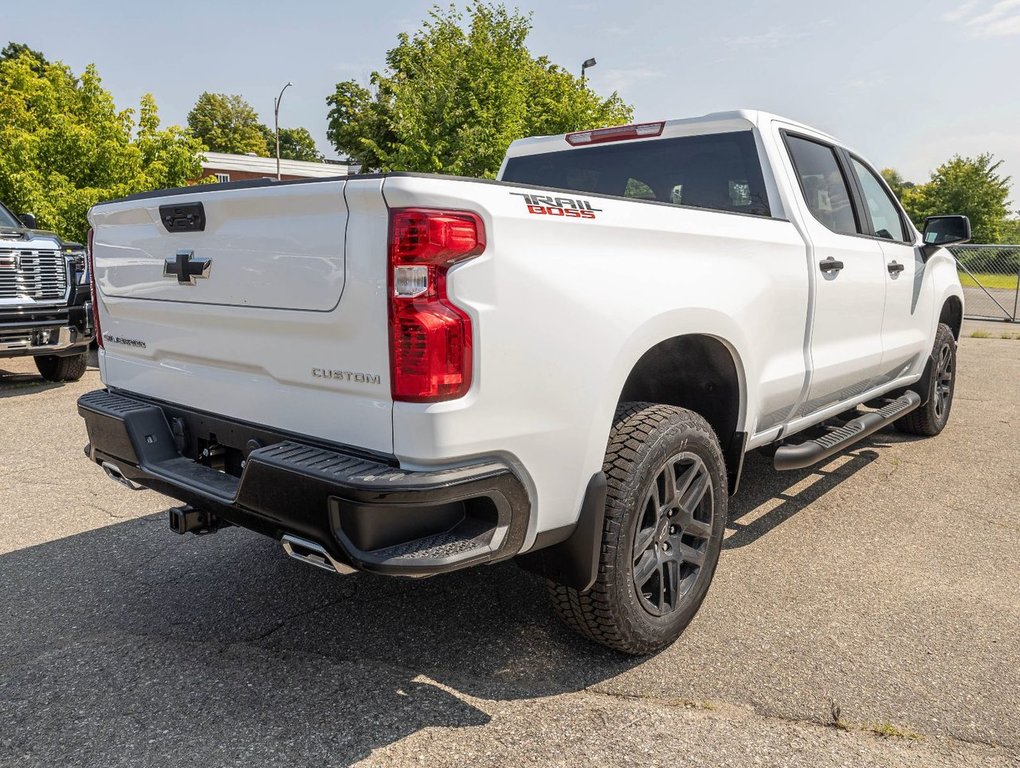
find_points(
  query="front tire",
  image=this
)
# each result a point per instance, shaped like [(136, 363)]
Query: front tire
[(665, 513), (931, 418), (70, 368)]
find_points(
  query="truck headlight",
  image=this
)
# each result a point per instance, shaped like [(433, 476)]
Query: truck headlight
[(80, 266)]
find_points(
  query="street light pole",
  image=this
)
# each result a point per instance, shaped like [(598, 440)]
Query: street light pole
[(276, 120), (587, 65)]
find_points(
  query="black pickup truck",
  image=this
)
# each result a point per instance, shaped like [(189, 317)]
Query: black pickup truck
[(45, 309)]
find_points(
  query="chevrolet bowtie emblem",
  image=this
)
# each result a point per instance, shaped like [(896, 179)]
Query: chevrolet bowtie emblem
[(185, 267)]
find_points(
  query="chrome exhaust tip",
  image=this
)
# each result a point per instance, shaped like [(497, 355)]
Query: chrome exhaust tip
[(113, 472), (313, 554)]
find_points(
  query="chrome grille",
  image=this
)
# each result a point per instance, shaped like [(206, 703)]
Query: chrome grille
[(38, 275)]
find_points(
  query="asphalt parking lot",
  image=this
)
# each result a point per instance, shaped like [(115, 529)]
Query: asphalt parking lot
[(882, 588)]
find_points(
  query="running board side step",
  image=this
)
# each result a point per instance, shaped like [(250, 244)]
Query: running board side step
[(811, 452)]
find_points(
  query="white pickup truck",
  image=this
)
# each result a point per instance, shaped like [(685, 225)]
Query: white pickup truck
[(412, 374)]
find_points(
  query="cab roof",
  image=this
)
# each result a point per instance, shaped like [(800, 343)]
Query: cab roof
[(714, 122)]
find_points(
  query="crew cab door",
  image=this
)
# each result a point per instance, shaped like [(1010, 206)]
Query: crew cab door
[(908, 311), (847, 272)]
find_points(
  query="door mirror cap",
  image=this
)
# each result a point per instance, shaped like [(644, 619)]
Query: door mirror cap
[(940, 231), (28, 219)]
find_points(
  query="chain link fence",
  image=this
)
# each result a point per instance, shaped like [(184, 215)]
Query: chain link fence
[(990, 275)]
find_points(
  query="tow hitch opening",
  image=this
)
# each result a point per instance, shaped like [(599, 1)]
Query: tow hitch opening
[(190, 520)]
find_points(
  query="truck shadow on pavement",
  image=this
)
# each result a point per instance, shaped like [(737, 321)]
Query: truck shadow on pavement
[(768, 498), (127, 645), (20, 378), (13, 383)]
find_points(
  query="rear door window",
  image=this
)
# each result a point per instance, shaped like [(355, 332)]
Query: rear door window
[(719, 171), (825, 189)]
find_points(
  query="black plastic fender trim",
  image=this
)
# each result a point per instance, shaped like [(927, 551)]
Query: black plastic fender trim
[(923, 385), (733, 455)]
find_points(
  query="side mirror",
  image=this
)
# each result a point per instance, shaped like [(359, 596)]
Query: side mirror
[(28, 219), (940, 231)]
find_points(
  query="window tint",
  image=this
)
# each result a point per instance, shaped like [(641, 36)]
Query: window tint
[(8, 219), (884, 214), (719, 171), (822, 182)]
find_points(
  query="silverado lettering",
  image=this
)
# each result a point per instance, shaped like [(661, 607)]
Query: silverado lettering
[(121, 340)]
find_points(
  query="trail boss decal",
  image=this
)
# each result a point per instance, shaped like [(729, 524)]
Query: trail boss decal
[(567, 207)]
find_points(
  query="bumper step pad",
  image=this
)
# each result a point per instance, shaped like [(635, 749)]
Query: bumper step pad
[(469, 539)]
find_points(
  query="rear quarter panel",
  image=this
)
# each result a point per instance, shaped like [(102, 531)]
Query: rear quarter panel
[(563, 308)]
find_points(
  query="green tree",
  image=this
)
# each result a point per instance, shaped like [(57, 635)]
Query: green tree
[(64, 145), (1010, 232), (295, 144), (13, 50), (896, 182), (968, 185), (457, 92), (228, 123)]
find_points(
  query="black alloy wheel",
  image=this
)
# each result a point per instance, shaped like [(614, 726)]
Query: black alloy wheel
[(671, 540)]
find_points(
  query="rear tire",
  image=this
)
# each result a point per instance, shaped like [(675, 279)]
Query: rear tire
[(931, 418), (665, 514), (53, 368)]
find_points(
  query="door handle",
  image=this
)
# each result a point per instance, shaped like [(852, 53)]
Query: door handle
[(830, 265), (895, 268)]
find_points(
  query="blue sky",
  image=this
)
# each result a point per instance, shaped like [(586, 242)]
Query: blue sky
[(907, 83)]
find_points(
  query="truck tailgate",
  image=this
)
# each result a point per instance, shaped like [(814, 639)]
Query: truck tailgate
[(278, 318), (277, 247)]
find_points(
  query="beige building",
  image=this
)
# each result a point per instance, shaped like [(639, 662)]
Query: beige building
[(226, 167)]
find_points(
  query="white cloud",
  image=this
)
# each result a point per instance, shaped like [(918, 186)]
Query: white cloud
[(961, 11), (621, 79), (873, 80), (999, 19), (773, 37), (1003, 27)]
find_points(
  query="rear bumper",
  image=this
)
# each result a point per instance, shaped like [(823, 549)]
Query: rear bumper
[(364, 512)]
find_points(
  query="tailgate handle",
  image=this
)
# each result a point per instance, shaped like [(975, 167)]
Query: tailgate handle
[(183, 217)]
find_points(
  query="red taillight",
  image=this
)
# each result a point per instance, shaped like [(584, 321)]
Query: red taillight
[(93, 290), (430, 337), (617, 133)]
